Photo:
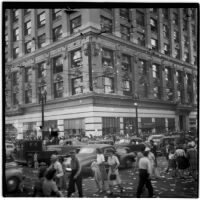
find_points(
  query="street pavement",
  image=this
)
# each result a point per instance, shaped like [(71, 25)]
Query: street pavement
[(165, 187)]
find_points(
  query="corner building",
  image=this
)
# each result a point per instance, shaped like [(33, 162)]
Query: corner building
[(94, 64)]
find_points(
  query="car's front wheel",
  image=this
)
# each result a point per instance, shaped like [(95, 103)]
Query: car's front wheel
[(12, 184)]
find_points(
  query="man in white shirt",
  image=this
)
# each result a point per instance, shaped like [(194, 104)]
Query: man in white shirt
[(145, 172)]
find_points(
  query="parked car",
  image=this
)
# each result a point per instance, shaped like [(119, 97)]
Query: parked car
[(10, 147), (111, 142), (156, 138), (13, 175), (87, 154)]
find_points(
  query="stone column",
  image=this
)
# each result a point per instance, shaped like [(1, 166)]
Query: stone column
[(191, 53), (116, 28), (163, 82), (185, 99), (135, 76), (21, 34), (48, 26), (66, 77), (61, 127), (10, 38), (148, 30), (153, 121), (180, 17), (49, 80), (160, 33), (171, 32), (150, 80), (166, 125), (33, 30), (133, 36), (34, 83), (121, 125), (174, 83), (65, 24), (21, 86)]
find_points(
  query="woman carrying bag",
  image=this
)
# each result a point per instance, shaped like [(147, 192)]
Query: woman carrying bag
[(113, 173)]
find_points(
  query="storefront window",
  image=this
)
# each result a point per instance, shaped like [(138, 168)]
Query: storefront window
[(110, 126)]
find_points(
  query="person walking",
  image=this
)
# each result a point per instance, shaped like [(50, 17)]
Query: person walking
[(75, 176), (145, 172), (38, 192), (181, 160), (55, 164), (192, 157), (113, 173), (153, 150), (101, 165), (49, 187)]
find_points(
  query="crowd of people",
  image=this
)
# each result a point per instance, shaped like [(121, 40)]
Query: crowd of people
[(53, 180)]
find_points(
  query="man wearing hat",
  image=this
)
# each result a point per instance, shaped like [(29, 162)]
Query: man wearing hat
[(55, 164), (192, 157), (75, 176), (145, 172)]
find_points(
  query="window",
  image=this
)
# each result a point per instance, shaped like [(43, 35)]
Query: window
[(157, 92), (75, 24), (41, 40), (155, 71), (154, 26), (27, 28), (154, 44), (186, 57), (41, 20), (169, 83), (108, 85), (126, 85), (165, 31), (110, 125), (153, 10), (124, 13), (57, 14), (165, 13), (126, 63), (28, 75), (140, 19), (185, 41), (141, 39), (195, 60), (176, 53), (57, 33), (76, 58), (142, 73), (16, 52), (175, 19), (15, 15), (185, 25), (179, 82), (194, 45), (15, 78), (6, 39), (106, 24), (16, 34), (107, 58), (15, 98), (189, 87), (176, 36), (28, 96), (42, 70), (58, 89), (27, 46), (77, 85), (57, 65), (27, 11), (193, 29), (125, 32), (166, 49)]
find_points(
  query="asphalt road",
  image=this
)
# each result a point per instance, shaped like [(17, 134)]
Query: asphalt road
[(165, 187)]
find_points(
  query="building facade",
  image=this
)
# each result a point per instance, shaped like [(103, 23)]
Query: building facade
[(89, 67)]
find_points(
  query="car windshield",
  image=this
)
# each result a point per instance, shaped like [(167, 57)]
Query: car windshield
[(86, 150), (121, 150)]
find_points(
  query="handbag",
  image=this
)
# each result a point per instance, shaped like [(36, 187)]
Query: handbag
[(113, 177)]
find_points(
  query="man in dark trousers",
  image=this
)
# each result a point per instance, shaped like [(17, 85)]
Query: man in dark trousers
[(75, 176), (145, 171)]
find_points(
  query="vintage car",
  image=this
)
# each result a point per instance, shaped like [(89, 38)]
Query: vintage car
[(87, 154), (111, 142), (13, 175)]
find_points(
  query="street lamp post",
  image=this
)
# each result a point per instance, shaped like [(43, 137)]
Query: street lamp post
[(136, 117)]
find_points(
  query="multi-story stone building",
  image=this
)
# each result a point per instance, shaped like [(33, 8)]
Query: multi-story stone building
[(92, 65)]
